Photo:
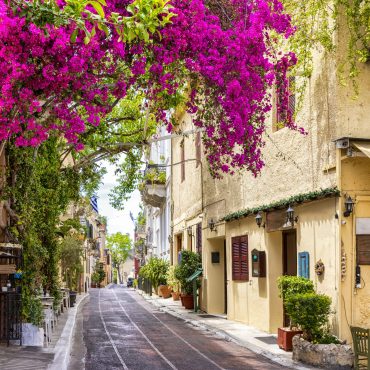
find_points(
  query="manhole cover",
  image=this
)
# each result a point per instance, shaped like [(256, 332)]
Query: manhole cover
[(267, 340)]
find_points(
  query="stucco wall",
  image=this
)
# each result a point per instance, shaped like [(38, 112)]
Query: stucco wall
[(355, 303), (256, 302)]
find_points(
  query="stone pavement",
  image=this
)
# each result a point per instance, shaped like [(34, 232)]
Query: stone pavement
[(246, 336), (56, 355)]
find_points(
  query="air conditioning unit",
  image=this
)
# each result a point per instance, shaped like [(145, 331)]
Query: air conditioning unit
[(342, 143)]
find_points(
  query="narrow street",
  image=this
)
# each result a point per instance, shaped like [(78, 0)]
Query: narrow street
[(120, 330)]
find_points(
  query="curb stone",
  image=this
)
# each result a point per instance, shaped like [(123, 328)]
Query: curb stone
[(62, 349), (228, 337)]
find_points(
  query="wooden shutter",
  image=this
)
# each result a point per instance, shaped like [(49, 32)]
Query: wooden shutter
[(363, 249), (182, 147), (282, 115), (239, 246), (198, 151), (304, 264), (199, 239)]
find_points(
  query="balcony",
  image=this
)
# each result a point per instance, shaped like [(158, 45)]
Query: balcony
[(153, 189)]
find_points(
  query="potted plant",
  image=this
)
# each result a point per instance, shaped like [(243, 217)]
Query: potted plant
[(98, 275), (157, 273), (316, 345), (190, 263), (173, 283), (290, 286)]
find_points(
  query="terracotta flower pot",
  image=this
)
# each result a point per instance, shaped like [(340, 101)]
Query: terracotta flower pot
[(188, 301), (164, 291), (285, 338), (175, 296)]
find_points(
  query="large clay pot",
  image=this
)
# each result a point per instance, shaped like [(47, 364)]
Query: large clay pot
[(165, 291), (188, 301), (285, 338), (175, 296)]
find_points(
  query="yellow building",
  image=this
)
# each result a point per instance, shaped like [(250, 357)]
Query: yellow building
[(314, 175)]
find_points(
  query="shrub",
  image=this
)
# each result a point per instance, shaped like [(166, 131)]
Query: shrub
[(171, 279), (190, 263), (292, 285), (156, 271), (310, 311)]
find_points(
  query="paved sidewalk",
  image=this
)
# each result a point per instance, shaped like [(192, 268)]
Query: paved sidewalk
[(55, 356), (246, 336)]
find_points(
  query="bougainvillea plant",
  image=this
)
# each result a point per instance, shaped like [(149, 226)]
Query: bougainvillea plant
[(57, 82)]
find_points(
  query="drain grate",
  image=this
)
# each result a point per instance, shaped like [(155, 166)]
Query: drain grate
[(207, 316), (267, 340)]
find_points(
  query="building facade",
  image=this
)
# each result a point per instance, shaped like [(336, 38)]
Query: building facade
[(314, 177)]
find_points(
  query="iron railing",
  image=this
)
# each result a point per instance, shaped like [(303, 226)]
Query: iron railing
[(145, 285), (10, 317)]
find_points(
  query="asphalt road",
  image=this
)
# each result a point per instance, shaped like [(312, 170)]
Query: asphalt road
[(120, 330)]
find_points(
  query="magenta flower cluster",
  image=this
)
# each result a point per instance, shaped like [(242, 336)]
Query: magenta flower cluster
[(52, 86)]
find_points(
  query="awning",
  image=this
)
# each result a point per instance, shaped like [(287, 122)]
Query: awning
[(363, 146)]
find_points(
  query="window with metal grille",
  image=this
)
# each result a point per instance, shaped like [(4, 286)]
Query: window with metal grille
[(281, 116), (198, 148), (239, 252), (182, 148), (199, 239)]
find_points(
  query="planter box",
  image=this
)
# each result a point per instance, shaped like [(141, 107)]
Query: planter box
[(285, 337), (32, 335), (327, 356)]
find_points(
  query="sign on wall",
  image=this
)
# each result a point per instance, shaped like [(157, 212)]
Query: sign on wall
[(363, 226)]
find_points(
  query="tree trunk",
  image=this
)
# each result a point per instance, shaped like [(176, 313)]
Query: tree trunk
[(119, 275)]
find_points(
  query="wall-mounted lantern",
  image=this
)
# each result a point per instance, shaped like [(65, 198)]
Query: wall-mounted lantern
[(348, 204), (259, 220), (290, 216), (212, 225), (190, 231)]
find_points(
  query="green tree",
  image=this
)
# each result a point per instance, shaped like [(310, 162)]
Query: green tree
[(120, 246)]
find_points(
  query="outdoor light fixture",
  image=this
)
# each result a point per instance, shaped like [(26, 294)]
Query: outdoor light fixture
[(259, 220), (348, 203), (211, 225), (170, 238), (290, 216), (190, 231)]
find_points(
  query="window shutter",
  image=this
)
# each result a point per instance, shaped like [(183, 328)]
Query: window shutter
[(239, 247), (235, 242), (304, 264), (363, 249), (182, 145), (244, 273), (199, 239), (198, 151)]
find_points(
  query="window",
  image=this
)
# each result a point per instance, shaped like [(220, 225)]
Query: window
[(363, 249), (199, 239), (239, 247), (182, 148), (282, 115), (198, 148)]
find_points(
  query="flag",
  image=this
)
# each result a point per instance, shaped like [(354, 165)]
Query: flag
[(94, 203)]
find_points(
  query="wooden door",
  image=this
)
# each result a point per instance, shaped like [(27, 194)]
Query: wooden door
[(289, 258)]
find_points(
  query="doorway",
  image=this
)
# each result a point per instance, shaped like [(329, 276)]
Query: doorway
[(179, 247), (289, 258)]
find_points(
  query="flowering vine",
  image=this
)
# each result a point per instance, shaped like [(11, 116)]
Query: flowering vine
[(57, 82)]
